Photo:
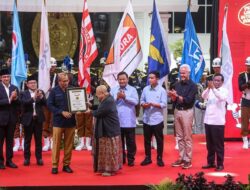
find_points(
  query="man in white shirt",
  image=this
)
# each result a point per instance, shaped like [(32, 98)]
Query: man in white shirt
[(9, 104), (32, 118), (214, 120)]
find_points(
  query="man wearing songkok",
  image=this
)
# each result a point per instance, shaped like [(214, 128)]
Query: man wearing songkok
[(9, 106), (32, 117)]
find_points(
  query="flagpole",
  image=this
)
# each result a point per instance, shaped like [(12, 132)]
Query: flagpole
[(189, 3), (225, 9), (225, 15), (16, 2)]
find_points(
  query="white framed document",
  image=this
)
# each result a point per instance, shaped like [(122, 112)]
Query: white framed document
[(77, 99)]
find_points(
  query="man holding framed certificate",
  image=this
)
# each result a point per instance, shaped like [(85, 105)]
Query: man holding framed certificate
[(63, 124)]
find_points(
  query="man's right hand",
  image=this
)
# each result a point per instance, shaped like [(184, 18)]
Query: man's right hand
[(66, 114), (146, 105)]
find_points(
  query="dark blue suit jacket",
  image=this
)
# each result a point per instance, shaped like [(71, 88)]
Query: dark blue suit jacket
[(8, 111), (27, 108)]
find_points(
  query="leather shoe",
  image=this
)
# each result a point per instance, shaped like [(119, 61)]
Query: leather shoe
[(160, 163), (208, 166), (124, 160), (54, 171), (219, 168), (39, 162), (2, 167), (67, 169), (10, 164), (26, 162), (146, 161), (131, 164)]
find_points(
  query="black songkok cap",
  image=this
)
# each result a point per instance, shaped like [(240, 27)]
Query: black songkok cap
[(4, 71), (32, 77)]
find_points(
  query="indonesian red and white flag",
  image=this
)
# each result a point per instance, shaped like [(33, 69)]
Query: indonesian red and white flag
[(125, 53), (227, 63), (88, 50), (44, 53)]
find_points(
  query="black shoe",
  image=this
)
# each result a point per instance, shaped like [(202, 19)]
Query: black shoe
[(219, 168), (67, 169), (26, 162), (131, 164), (2, 167), (10, 164), (187, 165), (54, 171), (39, 162), (208, 166), (124, 161), (160, 163), (146, 161), (178, 163)]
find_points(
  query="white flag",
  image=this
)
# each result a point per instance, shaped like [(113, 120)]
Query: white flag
[(125, 53), (44, 53), (227, 64)]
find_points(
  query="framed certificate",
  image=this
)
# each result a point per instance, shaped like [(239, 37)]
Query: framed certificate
[(77, 99)]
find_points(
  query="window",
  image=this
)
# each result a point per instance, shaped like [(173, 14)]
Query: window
[(201, 18)]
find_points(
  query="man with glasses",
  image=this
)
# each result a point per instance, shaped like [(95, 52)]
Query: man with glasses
[(32, 118)]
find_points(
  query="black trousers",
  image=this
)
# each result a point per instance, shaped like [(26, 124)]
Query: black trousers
[(128, 136), (215, 144), (148, 132), (7, 133), (36, 129)]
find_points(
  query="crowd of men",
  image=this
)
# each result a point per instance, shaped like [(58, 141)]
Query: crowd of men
[(113, 136)]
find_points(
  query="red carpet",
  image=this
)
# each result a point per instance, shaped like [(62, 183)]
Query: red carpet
[(236, 163)]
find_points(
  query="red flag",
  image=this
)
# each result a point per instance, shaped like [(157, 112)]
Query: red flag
[(88, 50)]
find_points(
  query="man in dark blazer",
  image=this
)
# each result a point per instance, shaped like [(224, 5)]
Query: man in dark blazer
[(9, 105), (32, 118)]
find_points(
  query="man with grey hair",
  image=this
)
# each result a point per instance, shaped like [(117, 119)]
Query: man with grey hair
[(183, 96)]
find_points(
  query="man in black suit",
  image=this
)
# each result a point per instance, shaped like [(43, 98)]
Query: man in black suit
[(32, 101), (9, 104)]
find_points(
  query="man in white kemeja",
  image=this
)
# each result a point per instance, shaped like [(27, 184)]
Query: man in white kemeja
[(214, 120)]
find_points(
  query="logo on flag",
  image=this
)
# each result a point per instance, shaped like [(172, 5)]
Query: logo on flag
[(14, 40), (192, 54), (158, 59), (88, 50), (196, 54), (18, 66), (125, 53)]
